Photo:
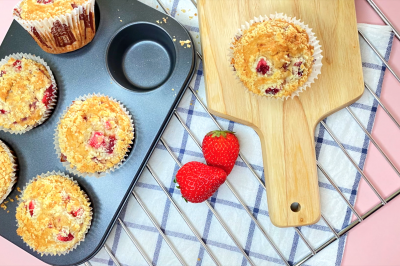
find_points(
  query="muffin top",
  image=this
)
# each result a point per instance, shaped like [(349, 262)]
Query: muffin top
[(53, 215), (43, 9), (6, 171), (25, 93), (273, 58), (95, 134)]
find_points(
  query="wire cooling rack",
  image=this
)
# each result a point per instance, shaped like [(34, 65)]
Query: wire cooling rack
[(313, 251)]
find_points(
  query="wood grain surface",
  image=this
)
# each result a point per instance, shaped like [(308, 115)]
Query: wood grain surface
[(286, 128)]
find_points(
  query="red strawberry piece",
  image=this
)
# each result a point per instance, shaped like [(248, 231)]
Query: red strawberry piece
[(272, 91), (108, 125), (3, 111), (44, 1), (2, 73), (17, 12), (65, 238), (97, 139), (33, 105), (221, 149), (63, 158), (198, 181), (74, 5), (78, 213), (18, 65), (31, 207), (109, 144), (262, 66), (285, 66), (65, 197), (48, 95), (297, 64)]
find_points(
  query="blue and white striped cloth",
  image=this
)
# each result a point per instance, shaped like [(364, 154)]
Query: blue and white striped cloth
[(249, 236)]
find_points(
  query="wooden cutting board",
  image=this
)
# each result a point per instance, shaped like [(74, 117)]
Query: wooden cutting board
[(286, 128)]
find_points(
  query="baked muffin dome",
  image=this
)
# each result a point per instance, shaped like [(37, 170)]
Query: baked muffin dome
[(273, 58), (7, 171), (43, 9), (54, 214), (94, 135), (26, 93)]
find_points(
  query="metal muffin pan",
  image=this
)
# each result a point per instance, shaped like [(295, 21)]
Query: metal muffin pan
[(132, 59)]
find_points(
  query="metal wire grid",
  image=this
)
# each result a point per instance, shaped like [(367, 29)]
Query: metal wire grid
[(313, 251)]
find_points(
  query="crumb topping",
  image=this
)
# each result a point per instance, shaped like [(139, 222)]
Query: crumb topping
[(54, 214), (43, 9), (95, 134), (6, 171), (273, 58), (25, 93)]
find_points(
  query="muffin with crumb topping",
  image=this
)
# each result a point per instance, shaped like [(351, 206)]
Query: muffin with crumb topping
[(27, 94), (58, 26), (94, 135), (273, 57), (53, 215), (7, 171)]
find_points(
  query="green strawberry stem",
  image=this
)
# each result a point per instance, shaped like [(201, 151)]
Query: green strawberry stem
[(219, 133)]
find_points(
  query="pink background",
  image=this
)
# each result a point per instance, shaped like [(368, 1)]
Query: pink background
[(375, 241)]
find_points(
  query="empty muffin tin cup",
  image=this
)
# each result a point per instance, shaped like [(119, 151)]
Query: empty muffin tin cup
[(141, 57)]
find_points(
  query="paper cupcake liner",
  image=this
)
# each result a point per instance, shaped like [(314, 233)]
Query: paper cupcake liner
[(84, 194), (53, 102), (64, 33), (316, 68), (98, 174), (14, 177)]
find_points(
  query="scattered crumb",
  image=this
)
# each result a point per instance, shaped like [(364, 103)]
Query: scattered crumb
[(195, 14), (157, 6), (8, 211), (167, 8), (197, 36), (120, 20), (184, 42), (198, 259), (119, 17), (165, 20), (188, 46), (174, 39), (190, 17), (118, 9), (158, 21), (173, 89), (183, 10), (11, 200), (18, 189), (17, 197), (3, 206)]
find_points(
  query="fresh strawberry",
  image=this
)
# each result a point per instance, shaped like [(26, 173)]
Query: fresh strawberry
[(31, 207), (65, 238), (48, 95), (221, 149), (198, 181)]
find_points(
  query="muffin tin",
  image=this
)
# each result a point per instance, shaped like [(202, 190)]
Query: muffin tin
[(132, 59)]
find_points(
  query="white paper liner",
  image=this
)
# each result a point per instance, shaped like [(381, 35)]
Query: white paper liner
[(13, 174), (53, 102), (47, 41), (316, 69), (97, 174), (84, 194)]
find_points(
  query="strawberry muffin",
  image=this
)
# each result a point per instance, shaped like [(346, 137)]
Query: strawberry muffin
[(94, 135), (7, 171), (53, 215), (27, 93), (58, 26), (273, 57)]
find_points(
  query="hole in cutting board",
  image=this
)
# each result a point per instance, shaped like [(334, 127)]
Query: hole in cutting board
[(295, 207)]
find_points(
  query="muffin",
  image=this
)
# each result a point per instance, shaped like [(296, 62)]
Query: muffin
[(94, 135), (53, 215), (58, 26), (7, 171), (27, 92), (273, 57)]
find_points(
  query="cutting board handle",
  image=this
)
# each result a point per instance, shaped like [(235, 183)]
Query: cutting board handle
[(290, 166)]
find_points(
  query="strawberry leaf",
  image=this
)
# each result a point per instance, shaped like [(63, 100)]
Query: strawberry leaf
[(219, 133)]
